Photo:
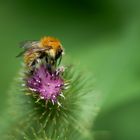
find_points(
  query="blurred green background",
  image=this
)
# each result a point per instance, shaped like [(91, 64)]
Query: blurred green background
[(103, 36)]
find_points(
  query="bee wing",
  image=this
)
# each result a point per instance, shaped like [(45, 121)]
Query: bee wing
[(28, 44)]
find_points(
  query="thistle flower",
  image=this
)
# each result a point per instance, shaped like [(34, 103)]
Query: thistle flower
[(41, 59), (42, 117), (47, 85)]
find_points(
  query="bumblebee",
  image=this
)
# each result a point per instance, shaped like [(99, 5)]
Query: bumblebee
[(48, 48)]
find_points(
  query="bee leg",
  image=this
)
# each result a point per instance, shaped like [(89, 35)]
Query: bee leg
[(47, 63), (59, 61), (53, 65), (32, 67), (49, 68)]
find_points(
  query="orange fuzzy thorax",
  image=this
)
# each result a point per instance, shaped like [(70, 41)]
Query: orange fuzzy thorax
[(50, 42)]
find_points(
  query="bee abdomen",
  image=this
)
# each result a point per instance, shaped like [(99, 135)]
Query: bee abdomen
[(29, 58)]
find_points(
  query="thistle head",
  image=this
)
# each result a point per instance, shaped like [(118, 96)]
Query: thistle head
[(45, 84), (39, 114)]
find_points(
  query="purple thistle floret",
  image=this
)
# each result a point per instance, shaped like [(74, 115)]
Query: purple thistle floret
[(47, 85)]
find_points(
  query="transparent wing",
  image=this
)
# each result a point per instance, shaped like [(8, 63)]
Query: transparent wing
[(32, 46), (28, 44)]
